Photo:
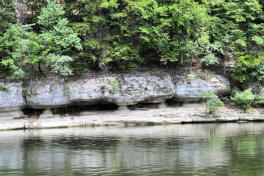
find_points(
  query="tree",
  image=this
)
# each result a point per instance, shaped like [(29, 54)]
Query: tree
[(7, 18), (7, 15), (13, 49), (103, 44), (123, 33), (58, 38), (35, 8)]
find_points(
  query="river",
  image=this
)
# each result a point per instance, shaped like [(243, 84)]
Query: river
[(191, 149)]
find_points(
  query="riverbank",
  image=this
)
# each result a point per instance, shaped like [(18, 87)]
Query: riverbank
[(187, 113)]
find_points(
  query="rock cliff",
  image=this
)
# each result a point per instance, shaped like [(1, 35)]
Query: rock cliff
[(120, 89)]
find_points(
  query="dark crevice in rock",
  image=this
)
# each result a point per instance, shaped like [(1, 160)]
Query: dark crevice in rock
[(77, 109), (174, 103), (144, 106), (31, 112)]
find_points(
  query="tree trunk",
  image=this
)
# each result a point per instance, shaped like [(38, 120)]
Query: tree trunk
[(21, 10), (100, 34)]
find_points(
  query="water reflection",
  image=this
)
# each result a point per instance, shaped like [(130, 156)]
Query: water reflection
[(200, 149)]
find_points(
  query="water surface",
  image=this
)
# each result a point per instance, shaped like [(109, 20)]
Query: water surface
[(193, 149)]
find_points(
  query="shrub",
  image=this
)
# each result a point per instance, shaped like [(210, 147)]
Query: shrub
[(60, 64), (4, 88), (249, 67), (244, 99), (259, 100), (114, 83), (13, 49), (213, 102)]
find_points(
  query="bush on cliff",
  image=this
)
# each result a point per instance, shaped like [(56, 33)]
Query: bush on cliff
[(244, 99), (249, 67)]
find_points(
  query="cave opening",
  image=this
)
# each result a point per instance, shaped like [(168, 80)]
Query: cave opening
[(144, 106), (76, 109)]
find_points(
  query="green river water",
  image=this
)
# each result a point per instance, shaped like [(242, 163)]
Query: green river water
[(191, 149)]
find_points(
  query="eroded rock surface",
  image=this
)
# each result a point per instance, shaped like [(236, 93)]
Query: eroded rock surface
[(11, 97), (120, 89), (191, 87), (127, 89)]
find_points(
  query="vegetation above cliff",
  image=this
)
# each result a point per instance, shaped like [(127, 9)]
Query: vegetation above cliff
[(70, 37)]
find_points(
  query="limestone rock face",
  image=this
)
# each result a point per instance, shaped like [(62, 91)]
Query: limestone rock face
[(261, 92), (11, 97), (120, 89), (256, 87), (126, 89), (46, 93), (191, 88)]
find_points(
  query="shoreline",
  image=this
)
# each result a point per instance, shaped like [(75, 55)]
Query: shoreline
[(188, 113)]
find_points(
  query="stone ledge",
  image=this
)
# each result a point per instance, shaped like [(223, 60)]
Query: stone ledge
[(161, 116)]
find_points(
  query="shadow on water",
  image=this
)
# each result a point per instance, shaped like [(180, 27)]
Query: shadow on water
[(34, 142), (78, 143)]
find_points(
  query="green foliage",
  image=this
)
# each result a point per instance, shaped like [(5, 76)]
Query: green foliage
[(103, 43), (50, 15), (57, 38), (114, 84), (21, 48), (247, 22), (244, 99), (171, 29), (34, 8), (249, 67), (4, 88), (259, 100), (123, 33), (7, 15), (13, 48), (60, 64), (213, 102), (120, 35), (56, 33), (7, 19), (210, 59), (237, 27)]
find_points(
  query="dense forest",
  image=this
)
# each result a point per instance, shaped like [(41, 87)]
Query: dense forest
[(68, 37)]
